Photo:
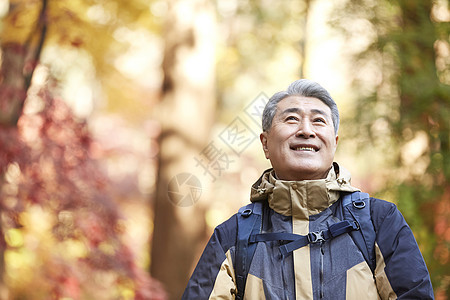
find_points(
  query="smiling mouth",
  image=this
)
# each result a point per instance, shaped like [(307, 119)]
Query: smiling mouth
[(311, 149)]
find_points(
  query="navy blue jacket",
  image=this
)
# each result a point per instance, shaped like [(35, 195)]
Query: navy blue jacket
[(335, 269)]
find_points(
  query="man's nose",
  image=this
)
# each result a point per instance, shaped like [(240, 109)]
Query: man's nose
[(305, 130)]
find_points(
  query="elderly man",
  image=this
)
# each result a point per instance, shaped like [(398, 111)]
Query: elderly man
[(309, 234)]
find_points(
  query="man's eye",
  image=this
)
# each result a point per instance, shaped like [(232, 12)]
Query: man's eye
[(320, 120), (291, 118)]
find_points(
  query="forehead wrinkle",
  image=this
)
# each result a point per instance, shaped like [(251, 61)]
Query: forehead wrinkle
[(299, 110), (290, 110)]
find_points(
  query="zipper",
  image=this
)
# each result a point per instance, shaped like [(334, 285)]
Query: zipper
[(322, 253)]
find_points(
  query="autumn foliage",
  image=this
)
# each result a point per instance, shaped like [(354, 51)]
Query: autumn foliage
[(61, 229), (47, 161)]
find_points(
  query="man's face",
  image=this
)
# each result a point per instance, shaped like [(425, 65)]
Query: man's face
[(301, 141)]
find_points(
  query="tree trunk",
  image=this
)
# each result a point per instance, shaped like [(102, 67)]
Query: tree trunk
[(304, 41), (186, 115), (20, 51), (418, 79)]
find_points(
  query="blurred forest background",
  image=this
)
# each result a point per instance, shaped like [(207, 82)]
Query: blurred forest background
[(129, 128)]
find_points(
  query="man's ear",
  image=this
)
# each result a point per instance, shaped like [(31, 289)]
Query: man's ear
[(263, 138)]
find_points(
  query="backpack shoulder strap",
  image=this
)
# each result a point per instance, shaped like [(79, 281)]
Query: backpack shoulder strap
[(356, 206), (248, 223)]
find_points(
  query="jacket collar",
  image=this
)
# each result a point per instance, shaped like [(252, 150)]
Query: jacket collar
[(301, 199)]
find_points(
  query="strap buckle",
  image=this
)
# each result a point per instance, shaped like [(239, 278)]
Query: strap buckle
[(247, 212), (316, 237)]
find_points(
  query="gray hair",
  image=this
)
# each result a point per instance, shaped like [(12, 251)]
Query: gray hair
[(305, 88)]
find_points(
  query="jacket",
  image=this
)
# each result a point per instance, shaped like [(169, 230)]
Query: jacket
[(335, 269)]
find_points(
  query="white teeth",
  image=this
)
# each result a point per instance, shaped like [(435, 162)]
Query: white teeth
[(304, 149)]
